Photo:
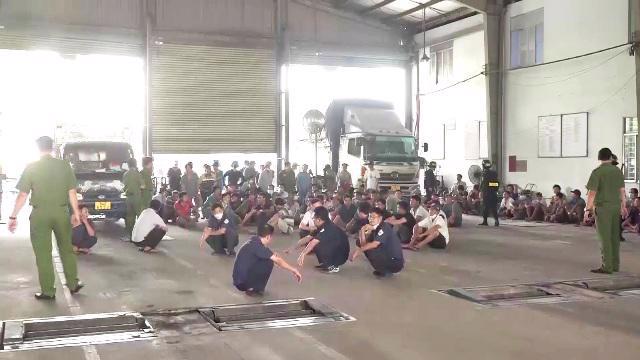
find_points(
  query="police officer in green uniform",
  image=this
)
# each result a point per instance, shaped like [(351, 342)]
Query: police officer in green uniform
[(52, 185), (133, 183), (607, 193), (147, 182)]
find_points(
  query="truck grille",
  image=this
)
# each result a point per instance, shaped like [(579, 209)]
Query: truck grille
[(394, 176)]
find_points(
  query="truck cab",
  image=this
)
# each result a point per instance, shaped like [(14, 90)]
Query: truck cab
[(99, 167), (376, 135)]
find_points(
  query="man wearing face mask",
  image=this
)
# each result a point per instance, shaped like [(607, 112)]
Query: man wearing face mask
[(330, 244), (384, 250), (221, 233), (254, 263)]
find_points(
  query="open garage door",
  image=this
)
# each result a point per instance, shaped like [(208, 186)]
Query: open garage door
[(68, 45), (213, 100), (341, 57)]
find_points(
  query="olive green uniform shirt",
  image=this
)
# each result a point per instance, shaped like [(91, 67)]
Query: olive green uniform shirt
[(606, 180), (49, 181), (288, 180), (132, 180)]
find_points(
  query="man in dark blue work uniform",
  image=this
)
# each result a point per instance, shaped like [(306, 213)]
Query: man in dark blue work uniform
[(221, 232), (330, 243), (384, 251), (489, 190), (254, 263)]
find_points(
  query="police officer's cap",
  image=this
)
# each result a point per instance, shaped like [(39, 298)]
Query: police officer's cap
[(432, 165)]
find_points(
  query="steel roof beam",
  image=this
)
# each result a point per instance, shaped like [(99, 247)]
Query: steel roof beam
[(412, 10), (376, 6)]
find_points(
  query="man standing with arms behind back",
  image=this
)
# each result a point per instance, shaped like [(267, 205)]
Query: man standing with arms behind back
[(52, 185), (607, 194)]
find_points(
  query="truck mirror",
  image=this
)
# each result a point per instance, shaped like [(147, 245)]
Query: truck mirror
[(425, 147)]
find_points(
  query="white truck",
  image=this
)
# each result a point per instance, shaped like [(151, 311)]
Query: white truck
[(365, 131)]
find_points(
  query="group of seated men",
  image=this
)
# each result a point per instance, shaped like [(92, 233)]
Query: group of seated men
[(561, 209)]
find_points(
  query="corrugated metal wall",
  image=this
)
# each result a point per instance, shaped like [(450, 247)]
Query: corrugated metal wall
[(212, 99)]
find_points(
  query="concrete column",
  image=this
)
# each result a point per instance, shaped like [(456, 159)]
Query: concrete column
[(409, 95), (148, 7), (634, 33), (493, 68)]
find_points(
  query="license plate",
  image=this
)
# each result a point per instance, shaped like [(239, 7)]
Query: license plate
[(105, 205), (395, 187)]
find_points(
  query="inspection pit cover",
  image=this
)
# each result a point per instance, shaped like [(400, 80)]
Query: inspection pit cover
[(619, 285), (79, 330), (509, 295), (272, 314)]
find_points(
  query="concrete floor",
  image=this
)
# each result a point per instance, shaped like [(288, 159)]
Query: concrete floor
[(398, 318)]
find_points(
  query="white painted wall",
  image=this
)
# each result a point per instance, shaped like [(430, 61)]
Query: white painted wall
[(606, 90), (602, 85), (458, 105)]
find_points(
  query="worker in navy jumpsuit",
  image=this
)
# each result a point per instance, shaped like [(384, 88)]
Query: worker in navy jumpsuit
[(330, 243)]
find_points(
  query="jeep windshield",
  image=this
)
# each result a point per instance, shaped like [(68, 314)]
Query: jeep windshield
[(95, 158)]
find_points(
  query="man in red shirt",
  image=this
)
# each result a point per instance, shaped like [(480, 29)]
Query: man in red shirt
[(184, 207)]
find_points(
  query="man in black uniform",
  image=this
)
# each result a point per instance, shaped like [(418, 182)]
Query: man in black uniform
[(430, 182), (255, 261), (330, 243), (381, 245), (489, 190)]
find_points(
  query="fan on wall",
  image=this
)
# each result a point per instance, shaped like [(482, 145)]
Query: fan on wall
[(475, 174), (313, 122)]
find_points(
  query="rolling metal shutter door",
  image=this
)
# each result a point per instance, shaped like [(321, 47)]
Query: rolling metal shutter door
[(68, 45), (212, 99)]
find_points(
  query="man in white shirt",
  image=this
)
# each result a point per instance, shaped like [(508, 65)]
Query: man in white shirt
[(307, 225), (149, 228), (507, 206), (372, 176), (458, 183), (417, 210), (437, 233)]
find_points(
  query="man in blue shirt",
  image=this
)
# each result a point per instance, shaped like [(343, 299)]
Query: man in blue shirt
[(254, 263), (384, 251), (303, 184), (221, 232), (330, 243)]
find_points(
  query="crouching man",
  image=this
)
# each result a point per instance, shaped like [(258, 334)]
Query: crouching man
[(221, 232), (149, 228), (254, 263), (330, 243), (380, 244)]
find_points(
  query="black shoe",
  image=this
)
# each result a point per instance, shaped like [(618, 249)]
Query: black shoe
[(496, 224), (483, 224), (321, 267), (601, 271), (622, 239), (77, 288), (41, 296), (379, 274)]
